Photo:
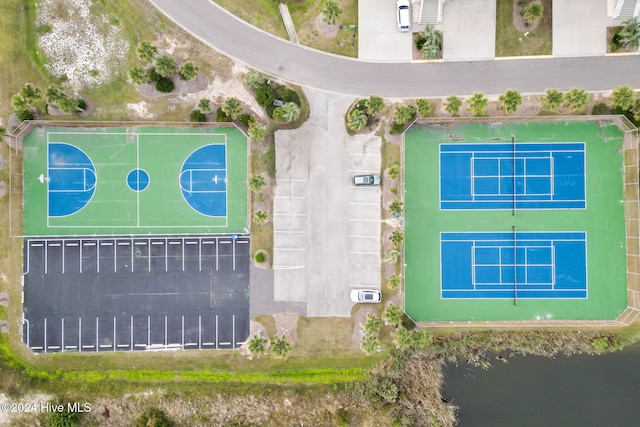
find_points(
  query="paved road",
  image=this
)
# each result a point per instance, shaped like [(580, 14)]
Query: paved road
[(223, 31)]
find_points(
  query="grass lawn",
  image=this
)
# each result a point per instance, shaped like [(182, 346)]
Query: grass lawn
[(511, 42), (263, 14)]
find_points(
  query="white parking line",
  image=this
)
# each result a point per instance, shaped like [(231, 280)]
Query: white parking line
[(289, 231), (365, 253), (364, 204), (288, 214), (290, 197), (366, 237), (363, 154)]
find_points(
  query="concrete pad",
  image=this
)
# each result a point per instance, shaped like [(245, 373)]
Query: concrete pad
[(580, 28), (468, 30), (378, 35)]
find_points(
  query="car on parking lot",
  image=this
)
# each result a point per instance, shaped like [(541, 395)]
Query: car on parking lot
[(366, 179), (366, 295), (403, 14)]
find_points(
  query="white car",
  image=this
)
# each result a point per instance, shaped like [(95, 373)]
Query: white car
[(366, 180), (404, 15), (366, 295)]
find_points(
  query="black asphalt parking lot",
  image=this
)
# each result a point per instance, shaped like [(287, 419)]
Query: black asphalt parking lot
[(120, 294)]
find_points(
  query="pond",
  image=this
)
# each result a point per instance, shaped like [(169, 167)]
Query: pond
[(536, 391)]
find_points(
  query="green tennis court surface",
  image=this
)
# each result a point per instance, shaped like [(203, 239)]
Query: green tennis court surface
[(134, 180), (486, 281)]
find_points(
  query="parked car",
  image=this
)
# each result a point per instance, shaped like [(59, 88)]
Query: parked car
[(366, 295), (404, 15), (366, 180)]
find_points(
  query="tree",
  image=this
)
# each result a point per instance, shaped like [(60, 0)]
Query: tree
[(69, 104), (636, 110), (257, 132), (551, 100), (533, 11), (205, 105), (258, 345), (290, 112), (256, 182), (397, 237), (30, 93), (260, 217), (165, 85), (510, 100), (165, 66), (19, 103), (403, 114), (53, 94), (629, 35), (576, 99), (393, 281), (392, 256), (232, 108), (357, 119), (197, 116), (138, 76), (371, 326), (424, 107), (146, 51), (375, 104), (188, 71), (255, 79), (331, 12), (280, 346), (452, 105), (370, 343), (622, 98), (393, 315), (432, 42), (395, 207), (478, 104), (393, 171), (402, 338)]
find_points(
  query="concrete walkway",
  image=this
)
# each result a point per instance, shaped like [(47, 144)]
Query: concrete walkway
[(580, 28), (288, 23), (378, 35), (469, 30)]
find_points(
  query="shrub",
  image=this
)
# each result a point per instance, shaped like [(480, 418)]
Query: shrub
[(371, 326), (244, 119), (260, 217), (65, 418), (260, 257), (258, 345), (280, 346), (385, 389), (342, 418), (600, 109), (82, 104), (264, 95), (256, 182), (287, 95), (154, 417), (164, 85), (393, 315), (370, 343), (197, 116), (221, 116), (153, 75), (393, 171), (395, 207), (431, 43), (393, 281), (424, 107), (24, 114), (397, 237)]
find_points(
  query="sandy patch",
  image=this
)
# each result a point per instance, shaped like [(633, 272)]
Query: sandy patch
[(4, 298), (287, 325), (326, 30), (82, 46), (140, 110), (3, 188)]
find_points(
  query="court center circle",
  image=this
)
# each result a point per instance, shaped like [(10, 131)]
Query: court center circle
[(138, 179)]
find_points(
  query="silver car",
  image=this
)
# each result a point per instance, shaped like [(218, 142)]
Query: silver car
[(366, 180)]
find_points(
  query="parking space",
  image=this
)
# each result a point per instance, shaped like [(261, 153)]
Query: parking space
[(378, 35), (580, 28), (469, 30), (136, 293)]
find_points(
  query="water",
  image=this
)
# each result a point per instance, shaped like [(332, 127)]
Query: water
[(581, 391)]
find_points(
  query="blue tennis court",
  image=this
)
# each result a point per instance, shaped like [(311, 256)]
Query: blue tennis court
[(514, 265), (512, 176)]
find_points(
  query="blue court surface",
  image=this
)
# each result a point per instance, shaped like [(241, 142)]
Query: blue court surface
[(71, 179), (512, 176), (203, 180), (514, 265)]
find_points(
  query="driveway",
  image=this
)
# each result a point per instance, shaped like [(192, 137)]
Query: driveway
[(469, 30), (326, 231), (378, 35), (580, 27), (308, 67)]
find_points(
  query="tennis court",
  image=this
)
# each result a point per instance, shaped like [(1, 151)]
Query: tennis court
[(514, 221), (134, 181)]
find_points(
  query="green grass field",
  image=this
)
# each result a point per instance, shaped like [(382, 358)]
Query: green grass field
[(603, 221), (114, 207)]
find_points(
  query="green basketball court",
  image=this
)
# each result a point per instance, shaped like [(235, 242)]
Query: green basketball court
[(134, 180), (480, 286)]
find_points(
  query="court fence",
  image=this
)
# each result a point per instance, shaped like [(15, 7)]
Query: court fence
[(631, 179)]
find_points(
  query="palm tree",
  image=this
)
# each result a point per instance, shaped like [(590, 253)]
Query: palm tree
[(53, 94), (635, 109), (393, 281), (188, 71), (424, 107), (375, 104), (533, 11), (403, 114), (452, 105), (432, 42), (257, 132), (260, 217), (280, 346), (30, 93), (622, 98), (19, 103), (478, 104), (510, 100), (392, 256), (331, 12), (232, 108), (256, 182), (254, 79), (205, 105), (551, 100), (138, 75), (357, 119), (629, 35), (393, 315), (290, 112), (146, 51), (69, 104), (258, 345), (576, 99), (165, 66)]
